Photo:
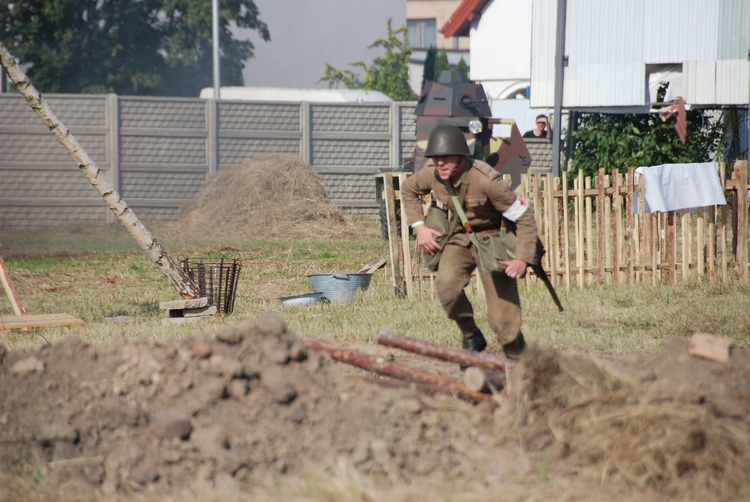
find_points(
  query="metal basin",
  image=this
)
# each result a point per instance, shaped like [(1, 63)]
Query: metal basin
[(302, 300), (339, 288)]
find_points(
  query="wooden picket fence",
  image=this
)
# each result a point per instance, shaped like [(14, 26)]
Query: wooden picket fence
[(598, 232)]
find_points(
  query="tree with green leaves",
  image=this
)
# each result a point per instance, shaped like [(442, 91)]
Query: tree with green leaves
[(620, 141), (388, 74), (441, 63), (146, 47), (463, 68), (428, 69)]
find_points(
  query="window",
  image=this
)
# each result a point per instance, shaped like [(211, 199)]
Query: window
[(664, 82), (422, 33)]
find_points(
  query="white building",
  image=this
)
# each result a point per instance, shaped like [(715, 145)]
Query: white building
[(617, 53)]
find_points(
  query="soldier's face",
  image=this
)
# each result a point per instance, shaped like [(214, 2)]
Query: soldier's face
[(448, 166)]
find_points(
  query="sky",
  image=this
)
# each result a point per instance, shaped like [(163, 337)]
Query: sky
[(307, 34)]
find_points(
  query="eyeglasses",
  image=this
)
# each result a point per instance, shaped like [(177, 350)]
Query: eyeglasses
[(541, 123)]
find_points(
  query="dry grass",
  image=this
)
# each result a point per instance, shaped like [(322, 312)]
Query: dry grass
[(56, 278)]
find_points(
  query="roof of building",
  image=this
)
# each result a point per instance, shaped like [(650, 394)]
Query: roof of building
[(460, 21)]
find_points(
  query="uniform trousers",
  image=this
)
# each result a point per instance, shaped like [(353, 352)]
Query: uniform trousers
[(457, 262)]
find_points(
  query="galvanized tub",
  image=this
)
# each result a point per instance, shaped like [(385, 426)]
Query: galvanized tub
[(339, 288), (302, 300)]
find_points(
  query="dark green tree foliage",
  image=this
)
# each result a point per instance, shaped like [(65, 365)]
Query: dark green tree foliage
[(620, 141), (428, 72), (463, 68), (441, 63), (144, 47), (388, 74)]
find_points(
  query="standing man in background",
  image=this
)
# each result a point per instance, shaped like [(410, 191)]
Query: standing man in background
[(540, 132)]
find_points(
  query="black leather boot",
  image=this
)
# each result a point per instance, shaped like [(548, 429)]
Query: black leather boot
[(475, 342), (515, 348)]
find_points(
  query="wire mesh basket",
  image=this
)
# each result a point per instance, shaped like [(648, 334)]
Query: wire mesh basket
[(216, 279)]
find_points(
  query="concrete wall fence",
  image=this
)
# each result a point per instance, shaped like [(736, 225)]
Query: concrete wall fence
[(157, 152)]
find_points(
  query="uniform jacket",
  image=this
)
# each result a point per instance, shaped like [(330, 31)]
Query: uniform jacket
[(488, 199)]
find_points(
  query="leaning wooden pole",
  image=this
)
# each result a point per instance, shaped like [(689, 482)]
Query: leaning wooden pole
[(175, 275), (381, 367), (479, 359)]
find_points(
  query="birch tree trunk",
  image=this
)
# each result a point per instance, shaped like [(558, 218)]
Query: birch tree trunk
[(175, 275)]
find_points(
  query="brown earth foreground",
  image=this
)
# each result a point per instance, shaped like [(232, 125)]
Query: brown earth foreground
[(250, 413)]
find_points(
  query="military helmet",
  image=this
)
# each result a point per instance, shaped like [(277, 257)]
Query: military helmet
[(446, 140)]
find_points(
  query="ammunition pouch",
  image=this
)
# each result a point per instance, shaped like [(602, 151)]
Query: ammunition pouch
[(436, 219), (492, 248)]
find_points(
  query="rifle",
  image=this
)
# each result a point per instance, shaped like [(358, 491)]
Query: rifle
[(536, 266), (539, 272)]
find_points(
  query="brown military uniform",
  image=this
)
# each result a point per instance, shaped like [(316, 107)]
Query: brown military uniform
[(487, 197)]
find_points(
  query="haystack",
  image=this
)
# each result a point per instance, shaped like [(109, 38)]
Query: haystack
[(265, 195)]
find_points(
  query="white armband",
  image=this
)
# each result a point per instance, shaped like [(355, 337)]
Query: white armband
[(516, 210), (416, 224)]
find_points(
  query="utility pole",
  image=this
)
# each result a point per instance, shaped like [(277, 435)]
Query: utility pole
[(215, 30), (559, 79)]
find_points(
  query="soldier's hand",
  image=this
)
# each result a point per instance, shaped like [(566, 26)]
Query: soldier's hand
[(426, 239), (515, 269)]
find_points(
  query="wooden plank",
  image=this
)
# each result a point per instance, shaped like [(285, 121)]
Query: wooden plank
[(601, 255), (405, 243), (711, 244), (617, 226), (589, 231), (552, 228), (37, 321), (723, 234), (741, 215), (397, 258), (565, 232), (644, 223), (524, 191), (10, 290), (670, 246), (536, 195), (686, 241), (656, 245), (700, 238), (580, 225), (631, 229), (608, 230)]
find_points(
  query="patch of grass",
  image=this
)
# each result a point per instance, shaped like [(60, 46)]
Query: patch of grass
[(97, 287)]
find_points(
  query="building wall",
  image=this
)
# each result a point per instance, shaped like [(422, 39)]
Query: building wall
[(441, 11), (610, 45), (501, 47)]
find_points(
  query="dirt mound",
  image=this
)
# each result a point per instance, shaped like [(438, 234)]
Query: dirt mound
[(265, 195), (232, 415)]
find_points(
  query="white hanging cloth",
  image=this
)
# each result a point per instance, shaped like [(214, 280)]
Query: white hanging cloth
[(671, 187)]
